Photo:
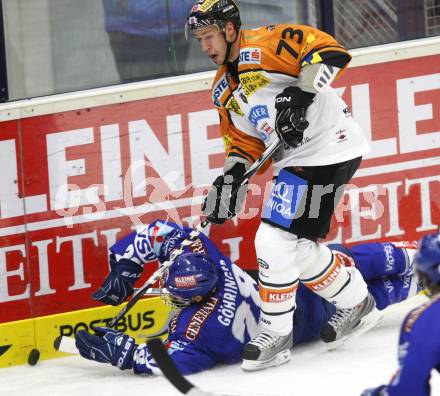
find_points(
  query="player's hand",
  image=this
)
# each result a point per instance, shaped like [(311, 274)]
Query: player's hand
[(107, 346), (290, 123), (226, 197), (119, 283)]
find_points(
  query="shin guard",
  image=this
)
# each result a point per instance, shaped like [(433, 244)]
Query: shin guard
[(278, 278), (325, 274)]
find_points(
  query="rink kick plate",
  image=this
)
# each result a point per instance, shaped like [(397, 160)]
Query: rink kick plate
[(148, 317)]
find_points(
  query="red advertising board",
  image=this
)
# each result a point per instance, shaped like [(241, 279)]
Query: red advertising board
[(74, 182)]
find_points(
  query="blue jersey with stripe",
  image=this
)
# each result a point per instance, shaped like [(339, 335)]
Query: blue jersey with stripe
[(419, 353), (216, 330)]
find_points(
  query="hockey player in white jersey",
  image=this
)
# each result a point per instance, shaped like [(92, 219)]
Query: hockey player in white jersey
[(275, 81), (219, 302)]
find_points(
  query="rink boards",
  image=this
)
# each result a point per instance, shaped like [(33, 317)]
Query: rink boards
[(149, 317), (80, 170)]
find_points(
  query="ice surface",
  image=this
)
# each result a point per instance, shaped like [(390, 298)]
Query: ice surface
[(313, 371)]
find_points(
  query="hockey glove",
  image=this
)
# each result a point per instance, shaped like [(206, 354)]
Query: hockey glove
[(226, 197), (290, 123), (107, 346), (119, 283)]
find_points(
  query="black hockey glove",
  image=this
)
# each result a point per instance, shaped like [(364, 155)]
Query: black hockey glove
[(291, 106), (119, 283), (219, 204)]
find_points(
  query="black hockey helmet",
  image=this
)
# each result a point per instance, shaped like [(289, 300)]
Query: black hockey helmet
[(213, 12)]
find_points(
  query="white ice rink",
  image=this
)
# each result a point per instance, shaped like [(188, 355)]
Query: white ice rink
[(313, 371)]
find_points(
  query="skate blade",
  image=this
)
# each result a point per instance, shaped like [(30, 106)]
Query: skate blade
[(254, 365), (373, 319)]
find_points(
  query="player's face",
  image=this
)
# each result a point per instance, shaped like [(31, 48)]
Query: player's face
[(212, 42)]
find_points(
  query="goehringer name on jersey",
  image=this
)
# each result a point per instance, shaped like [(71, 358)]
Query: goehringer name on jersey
[(228, 306)]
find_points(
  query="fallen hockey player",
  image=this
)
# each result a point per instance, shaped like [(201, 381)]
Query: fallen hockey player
[(219, 302)]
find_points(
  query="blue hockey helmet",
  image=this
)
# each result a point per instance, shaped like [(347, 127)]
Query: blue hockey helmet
[(191, 275), (427, 259)]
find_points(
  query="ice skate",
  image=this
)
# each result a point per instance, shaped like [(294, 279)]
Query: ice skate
[(351, 322), (266, 350)]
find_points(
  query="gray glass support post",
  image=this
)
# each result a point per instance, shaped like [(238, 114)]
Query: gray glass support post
[(4, 96), (327, 17)]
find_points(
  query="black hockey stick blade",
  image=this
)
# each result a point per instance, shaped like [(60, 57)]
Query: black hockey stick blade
[(167, 366), (171, 372)]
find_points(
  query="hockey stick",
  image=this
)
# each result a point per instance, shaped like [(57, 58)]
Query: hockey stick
[(191, 237), (171, 372)]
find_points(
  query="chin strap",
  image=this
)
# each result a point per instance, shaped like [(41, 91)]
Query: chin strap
[(229, 45)]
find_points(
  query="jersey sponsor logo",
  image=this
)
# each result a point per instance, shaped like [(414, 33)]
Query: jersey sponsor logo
[(389, 286), (258, 113), (284, 202), (391, 262), (278, 295), (143, 247), (252, 82), (227, 142), (250, 56), (170, 243), (219, 90), (310, 39), (322, 281), (233, 106), (196, 322), (265, 131), (185, 281), (197, 246), (173, 324)]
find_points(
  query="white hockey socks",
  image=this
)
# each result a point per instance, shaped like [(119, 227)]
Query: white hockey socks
[(278, 278), (325, 274)]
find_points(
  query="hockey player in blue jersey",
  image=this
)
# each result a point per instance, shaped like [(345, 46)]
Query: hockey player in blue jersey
[(419, 343), (219, 301)]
